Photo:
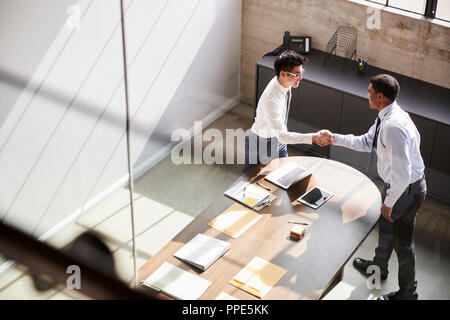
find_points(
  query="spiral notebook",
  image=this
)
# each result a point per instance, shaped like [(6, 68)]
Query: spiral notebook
[(249, 194)]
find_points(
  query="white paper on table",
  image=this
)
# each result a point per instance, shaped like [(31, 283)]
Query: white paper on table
[(235, 220), (176, 282), (202, 251)]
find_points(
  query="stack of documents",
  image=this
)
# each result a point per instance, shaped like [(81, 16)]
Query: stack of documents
[(176, 282), (297, 233), (248, 194), (258, 277), (202, 251), (235, 220)]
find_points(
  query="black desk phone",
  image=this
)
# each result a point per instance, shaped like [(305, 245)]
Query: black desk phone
[(300, 44)]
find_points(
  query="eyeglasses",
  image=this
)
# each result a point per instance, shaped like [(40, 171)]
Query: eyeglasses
[(297, 75)]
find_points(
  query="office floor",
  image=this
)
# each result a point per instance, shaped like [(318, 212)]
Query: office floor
[(161, 213)]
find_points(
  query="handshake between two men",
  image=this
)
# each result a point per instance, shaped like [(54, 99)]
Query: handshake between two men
[(323, 138)]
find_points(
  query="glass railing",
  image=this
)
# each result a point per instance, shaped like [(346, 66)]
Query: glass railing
[(63, 127)]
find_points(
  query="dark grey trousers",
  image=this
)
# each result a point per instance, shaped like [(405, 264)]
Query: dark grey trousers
[(261, 150), (399, 236)]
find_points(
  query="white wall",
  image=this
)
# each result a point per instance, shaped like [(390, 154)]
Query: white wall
[(62, 113)]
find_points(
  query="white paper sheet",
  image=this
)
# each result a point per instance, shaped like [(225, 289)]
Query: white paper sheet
[(202, 251), (176, 282)]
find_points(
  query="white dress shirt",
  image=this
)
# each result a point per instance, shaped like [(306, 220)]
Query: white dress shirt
[(398, 150), (271, 115)]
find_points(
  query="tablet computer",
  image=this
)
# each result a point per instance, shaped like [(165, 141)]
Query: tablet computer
[(315, 197)]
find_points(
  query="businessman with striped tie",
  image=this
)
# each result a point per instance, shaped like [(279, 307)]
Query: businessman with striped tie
[(396, 141)]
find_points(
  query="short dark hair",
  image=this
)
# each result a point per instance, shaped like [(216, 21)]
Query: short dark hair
[(288, 60), (385, 84)]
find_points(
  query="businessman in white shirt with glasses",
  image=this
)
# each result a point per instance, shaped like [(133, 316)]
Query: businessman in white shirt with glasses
[(268, 136), (396, 141)]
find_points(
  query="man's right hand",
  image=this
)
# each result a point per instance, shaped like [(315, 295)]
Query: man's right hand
[(323, 138)]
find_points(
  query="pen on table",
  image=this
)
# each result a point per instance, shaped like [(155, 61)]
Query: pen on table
[(295, 222), (261, 185)]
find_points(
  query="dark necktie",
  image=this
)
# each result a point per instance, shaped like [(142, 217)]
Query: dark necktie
[(375, 138), (288, 97)]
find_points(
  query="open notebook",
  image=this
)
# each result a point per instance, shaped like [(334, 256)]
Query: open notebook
[(202, 251), (176, 282), (248, 194)]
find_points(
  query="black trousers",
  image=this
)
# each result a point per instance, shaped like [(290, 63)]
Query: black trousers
[(399, 235)]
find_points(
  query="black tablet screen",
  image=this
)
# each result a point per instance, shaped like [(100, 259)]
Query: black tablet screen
[(312, 196)]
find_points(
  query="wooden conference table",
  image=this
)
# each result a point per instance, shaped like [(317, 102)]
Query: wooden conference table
[(335, 231)]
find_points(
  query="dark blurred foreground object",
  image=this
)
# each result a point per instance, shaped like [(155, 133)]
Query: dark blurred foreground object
[(41, 258), (88, 248)]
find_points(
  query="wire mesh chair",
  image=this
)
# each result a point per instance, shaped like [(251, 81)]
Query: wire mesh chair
[(343, 39)]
